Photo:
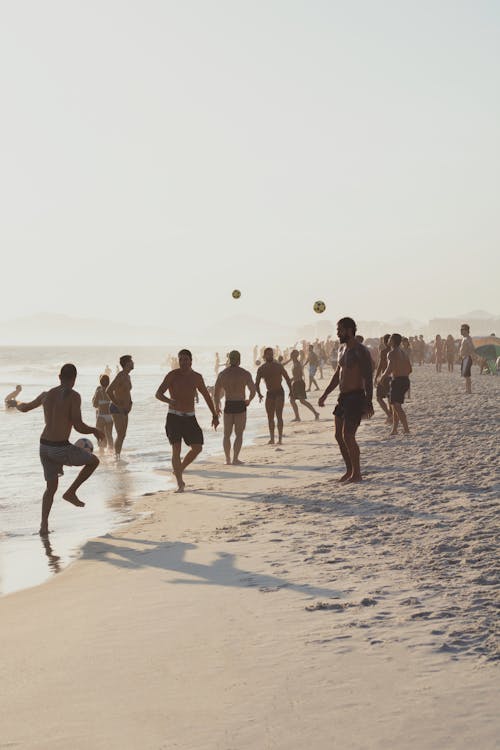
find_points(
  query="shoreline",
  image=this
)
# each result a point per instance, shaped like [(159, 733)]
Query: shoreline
[(269, 606)]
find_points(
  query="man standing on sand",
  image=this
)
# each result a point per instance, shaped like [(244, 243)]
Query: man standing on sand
[(398, 370), (119, 391), (381, 385), (183, 384), (354, 376), (234, 381), (62, 409), (466, 352), (273, 373)]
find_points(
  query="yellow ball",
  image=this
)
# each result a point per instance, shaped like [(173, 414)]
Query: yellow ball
[(236, 293), (319, 306)]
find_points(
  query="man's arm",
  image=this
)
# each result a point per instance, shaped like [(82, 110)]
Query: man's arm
[(38, 401), (77, 421), (287, 378), (208, 400), (367, 373), (251, 387), (218, 388), (110, 390), (389, 369), (330, 387), (257, 383), (160, 393)]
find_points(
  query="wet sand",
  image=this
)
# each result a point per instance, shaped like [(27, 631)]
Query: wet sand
[(271, 607)]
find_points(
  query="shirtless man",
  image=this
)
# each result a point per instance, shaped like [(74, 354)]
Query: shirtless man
[(354, 376), (313, 361), (466, 352), (273, 373), (62, 408), (299, 387), (183, 384), (398, 370), (382, 386), (234, 381), (121, 401)]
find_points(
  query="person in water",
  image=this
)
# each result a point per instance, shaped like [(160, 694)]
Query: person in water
[(10, 399), (62, 410), (104, 420), (119, 392)]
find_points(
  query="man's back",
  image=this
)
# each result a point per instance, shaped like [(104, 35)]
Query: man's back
[(234, 380), (58, 408)]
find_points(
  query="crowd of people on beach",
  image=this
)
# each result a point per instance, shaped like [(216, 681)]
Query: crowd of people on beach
[(358, 367)]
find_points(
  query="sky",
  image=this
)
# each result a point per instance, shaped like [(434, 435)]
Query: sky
[(155, 155)]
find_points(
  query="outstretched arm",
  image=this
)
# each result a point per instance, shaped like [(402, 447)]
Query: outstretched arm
[(38, 401)]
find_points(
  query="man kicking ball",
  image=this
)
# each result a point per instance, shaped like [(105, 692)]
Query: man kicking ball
[(62, 409)]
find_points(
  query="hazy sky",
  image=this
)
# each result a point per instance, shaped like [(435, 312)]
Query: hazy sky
[(157, 154)]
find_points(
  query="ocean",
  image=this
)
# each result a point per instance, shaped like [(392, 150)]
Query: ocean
[(27, 560)]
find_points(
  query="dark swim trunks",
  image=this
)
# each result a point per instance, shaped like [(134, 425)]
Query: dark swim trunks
[(351, 407), (235, 407), (383, 389), (56, 454), (299, 390), (466, 367), (114, 409), (183, 428), (397, 389), (276, 394)]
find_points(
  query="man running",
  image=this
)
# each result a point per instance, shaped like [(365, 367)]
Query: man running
[(183, 384), (354, 376), (299, 387), (381, 385), (398, 370), (62, 409), (234, 381), (466, 352), (273, 373), (119, 391)]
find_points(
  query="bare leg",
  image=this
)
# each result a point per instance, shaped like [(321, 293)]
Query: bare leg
[(194, 450), (295, 408), (310, 407), (339, 437), (402, 417), (177, 465), (48, 498), (468, 385), (226, 440), (270, 407), (239, 427), (395, 420), (280, 402), (316, 386), (121, 424), (108, 428), (86, 472), (383, 406), (349, 435)]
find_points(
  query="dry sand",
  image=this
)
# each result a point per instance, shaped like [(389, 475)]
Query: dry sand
[(271, 607)]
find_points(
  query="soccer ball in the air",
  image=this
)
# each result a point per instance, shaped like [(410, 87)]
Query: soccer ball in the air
[(85, 444), (319, 306), (236, 293)]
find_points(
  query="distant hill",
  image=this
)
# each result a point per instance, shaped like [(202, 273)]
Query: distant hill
[(52, 329)]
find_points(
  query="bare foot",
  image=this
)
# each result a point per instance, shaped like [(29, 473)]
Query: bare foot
[(228, 462), (354, 479), (394, 432), (270, 442), (237, 462), (180, 488), (345, 476), (73, 499)]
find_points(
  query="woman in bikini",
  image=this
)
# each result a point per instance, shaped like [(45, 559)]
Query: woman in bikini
[(101, 402)]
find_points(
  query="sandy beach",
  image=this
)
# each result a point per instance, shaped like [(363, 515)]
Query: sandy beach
[(271, 607)]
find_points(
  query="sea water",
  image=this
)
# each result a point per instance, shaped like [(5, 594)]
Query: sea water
[(110, 493)]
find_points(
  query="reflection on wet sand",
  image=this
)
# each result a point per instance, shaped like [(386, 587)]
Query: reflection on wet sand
[(54, 560), (122, 498)]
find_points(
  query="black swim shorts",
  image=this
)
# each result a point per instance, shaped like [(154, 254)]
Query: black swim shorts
[(299, 390), (234, 407), (274, 395), (383, 388), (397, 389), (183, 428), (466, 367), (351, 407)]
